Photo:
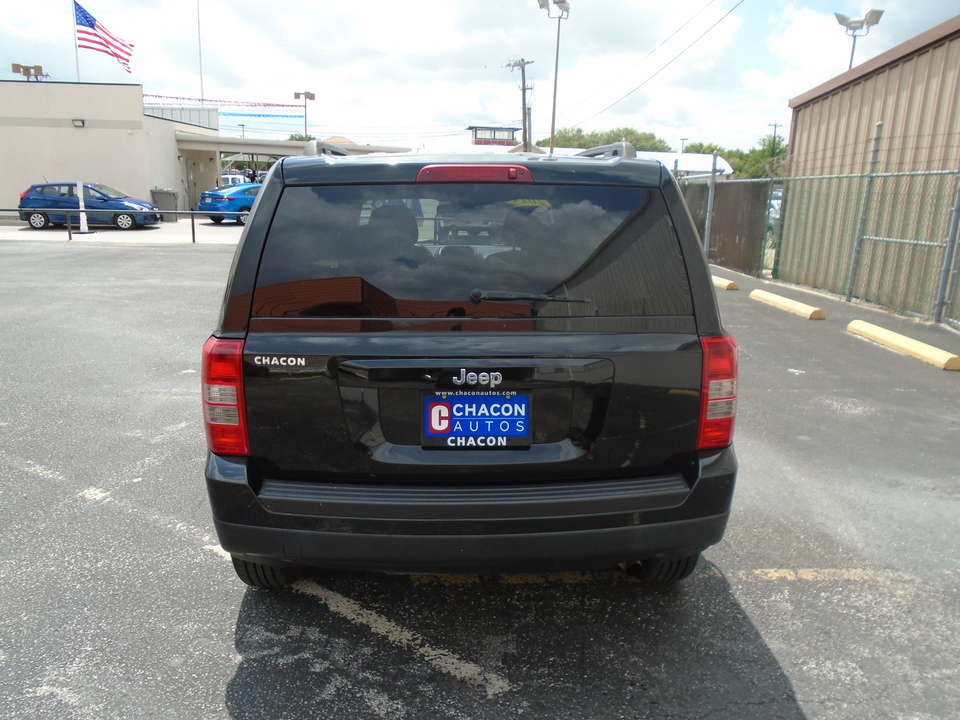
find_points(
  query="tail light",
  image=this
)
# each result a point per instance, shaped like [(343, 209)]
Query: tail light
[(24, 193), (224, 414), (718, 396)]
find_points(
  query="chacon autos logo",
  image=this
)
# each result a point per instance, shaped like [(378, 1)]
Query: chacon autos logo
[(490, 379), (275, 360)]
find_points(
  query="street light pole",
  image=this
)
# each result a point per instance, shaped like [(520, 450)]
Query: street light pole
[(306, 96), (564, 7), (556, 74), (855, 26)]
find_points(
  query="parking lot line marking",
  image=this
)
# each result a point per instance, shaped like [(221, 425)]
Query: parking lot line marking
[(444, 579), (219, 551), (883, 577), (95, 494), (797, 308), (907, 345), (444, 660)]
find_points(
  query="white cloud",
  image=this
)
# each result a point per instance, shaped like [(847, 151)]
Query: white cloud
[(812, 49), (419, 73)]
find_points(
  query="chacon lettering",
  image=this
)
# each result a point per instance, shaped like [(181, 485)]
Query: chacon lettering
[(274, 360)]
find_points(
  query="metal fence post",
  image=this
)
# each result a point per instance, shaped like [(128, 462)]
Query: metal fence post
[(865, 208), (947, 270), (710, 198)]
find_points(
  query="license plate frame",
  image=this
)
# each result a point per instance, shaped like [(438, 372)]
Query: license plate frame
[(480, 420)]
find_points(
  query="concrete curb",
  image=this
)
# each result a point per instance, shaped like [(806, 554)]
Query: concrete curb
[(797, 308), (908, 346), (724, 284)]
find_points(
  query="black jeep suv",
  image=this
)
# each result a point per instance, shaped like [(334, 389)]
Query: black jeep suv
[(469, 364)]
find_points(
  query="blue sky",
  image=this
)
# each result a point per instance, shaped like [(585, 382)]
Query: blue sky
[(416, 74)]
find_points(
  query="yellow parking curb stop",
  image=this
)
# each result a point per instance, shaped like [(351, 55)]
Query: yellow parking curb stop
[(798, 308), (908, 346), (725, 284)]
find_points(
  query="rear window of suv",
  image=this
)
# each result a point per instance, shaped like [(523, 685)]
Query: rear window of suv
[(403, 250)]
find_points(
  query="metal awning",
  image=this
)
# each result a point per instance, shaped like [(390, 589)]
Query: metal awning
[(273, 148)]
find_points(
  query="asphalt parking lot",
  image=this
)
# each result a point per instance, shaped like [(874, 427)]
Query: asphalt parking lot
[(835, 594)]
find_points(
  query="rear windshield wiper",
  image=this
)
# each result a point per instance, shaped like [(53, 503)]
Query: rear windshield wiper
[(477, 296)]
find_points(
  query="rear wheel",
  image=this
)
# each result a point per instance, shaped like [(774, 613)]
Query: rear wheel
[(242, 217), (125, 221), (266, 576), (38, 221), (657, 572)]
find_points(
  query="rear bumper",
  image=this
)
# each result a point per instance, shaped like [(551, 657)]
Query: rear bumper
[(217, 208), (569, 526)]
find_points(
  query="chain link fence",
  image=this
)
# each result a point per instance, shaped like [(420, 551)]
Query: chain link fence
[(884, 238)]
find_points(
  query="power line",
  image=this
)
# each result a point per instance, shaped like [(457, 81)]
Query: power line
[(616, 102), (639, 62)]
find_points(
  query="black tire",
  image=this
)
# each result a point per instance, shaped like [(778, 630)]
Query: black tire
[(242, 217), (125, 221), (266, 576), (38, 221), (217, 219), (659, 572)]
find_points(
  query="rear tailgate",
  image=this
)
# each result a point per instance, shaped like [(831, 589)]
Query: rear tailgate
[(359, 409), (388, 336)]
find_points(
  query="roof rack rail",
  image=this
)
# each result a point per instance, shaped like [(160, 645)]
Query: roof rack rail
[(617, 149)]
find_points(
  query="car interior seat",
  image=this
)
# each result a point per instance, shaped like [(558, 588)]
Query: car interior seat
[(395, 232)]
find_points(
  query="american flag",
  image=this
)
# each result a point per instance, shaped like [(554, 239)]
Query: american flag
[(92, 35)]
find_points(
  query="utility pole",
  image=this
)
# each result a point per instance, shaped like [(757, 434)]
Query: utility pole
[(774, 125), (522, 64)]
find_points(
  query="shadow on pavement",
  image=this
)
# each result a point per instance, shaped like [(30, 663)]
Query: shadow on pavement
[(596, 645)]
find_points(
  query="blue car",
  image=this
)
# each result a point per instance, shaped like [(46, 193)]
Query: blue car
[(48, 204), (233, 199)]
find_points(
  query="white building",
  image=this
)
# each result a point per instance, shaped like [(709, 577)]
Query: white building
[(90, 132)]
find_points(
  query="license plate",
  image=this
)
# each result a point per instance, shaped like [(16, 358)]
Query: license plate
[(475, 421)]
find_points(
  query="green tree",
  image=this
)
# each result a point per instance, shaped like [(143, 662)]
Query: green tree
[(301, 137), (640, 140), (766, 159), (568, 137), (736, 158), (576, 138), (702, 148)]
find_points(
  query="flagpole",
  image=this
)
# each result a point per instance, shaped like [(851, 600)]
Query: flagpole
[(200, 52), (76, 43)]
